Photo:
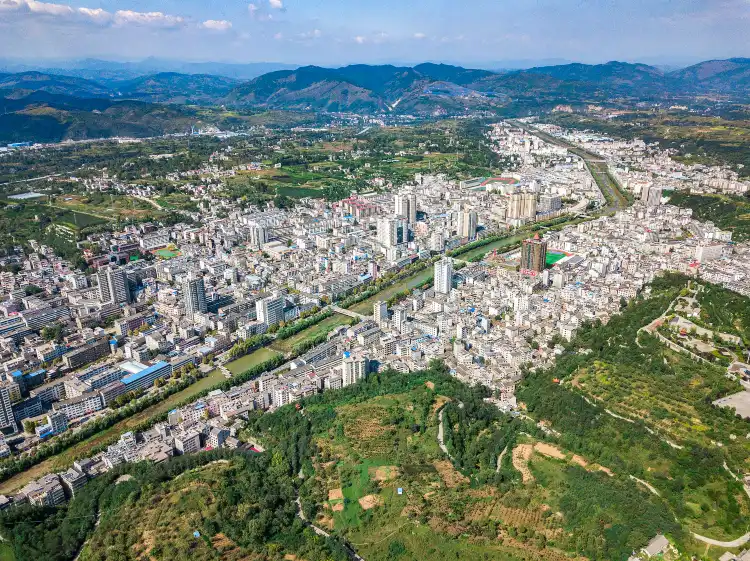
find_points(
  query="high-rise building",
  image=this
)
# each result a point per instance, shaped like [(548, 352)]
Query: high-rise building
[(412, 217), (194, 290), (258, 235), (437, 241), (654, 196), (7, 419), (113, 286), (533, 256), (401, 207), (373, 269), (380, 311), (354, 369), (392, 231), (644, 192), (444, 276), (549, 203), (399, 317), (406, 206), (522, 206), (467, 224), (270, 310)]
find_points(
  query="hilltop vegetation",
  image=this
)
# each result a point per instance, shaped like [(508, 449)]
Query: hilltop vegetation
[(242, 506), (671, 433), (726, 211), (358, 447)]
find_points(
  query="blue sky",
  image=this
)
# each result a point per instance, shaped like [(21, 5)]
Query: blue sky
[(344, 31)]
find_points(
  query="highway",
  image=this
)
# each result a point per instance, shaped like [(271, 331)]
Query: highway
[(596, 165)]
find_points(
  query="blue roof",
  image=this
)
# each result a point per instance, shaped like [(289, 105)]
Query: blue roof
[(130, 378), (16, 373)]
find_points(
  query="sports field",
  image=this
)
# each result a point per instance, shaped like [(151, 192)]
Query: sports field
[(554, 256), (166, 253)]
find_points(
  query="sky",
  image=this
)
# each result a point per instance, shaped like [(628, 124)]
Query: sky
[(337, 32)]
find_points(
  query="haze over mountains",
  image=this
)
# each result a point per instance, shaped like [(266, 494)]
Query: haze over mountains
[(62, 100)]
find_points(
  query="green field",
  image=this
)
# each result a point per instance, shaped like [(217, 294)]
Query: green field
[(248, 361), (416, 280), (325, 326), (554, 257)]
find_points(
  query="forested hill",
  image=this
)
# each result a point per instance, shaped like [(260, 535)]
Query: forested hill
[(43, 106)]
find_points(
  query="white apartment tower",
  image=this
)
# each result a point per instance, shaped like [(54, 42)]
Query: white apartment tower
[(467, 224), (444, 276), (113, 286), (270, 310), (194, 290), (7, 419), (353, 369)]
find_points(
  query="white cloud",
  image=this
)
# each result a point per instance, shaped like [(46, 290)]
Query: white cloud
[(49, 9), (276, 4), (150, 19), (278, 36), (35, 7), (252, 8), (360, 40), (217, 25), (419, 35), (91, 15), (96, 14), (314, 34)]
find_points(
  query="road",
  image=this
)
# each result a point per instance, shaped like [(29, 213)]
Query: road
[(33, 179), (596, 165), (739, 542)]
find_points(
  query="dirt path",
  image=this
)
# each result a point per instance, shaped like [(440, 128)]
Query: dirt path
[(521, 456), (646, 485), (739, 542)]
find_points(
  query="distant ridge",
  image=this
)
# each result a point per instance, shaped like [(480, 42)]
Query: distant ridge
[(32, 98)]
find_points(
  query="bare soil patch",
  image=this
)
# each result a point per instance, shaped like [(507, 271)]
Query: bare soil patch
[(383, 473), (521, 456), (450, 475), (369, 501), (336, 494), (549, 450), (576, 459)]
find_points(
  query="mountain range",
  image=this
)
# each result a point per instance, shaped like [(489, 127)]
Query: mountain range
[(426, 89)]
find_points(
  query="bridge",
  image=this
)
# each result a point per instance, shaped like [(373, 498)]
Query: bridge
[(350, 313)]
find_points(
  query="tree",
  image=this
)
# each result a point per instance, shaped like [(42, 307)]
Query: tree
[(30, 426)]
